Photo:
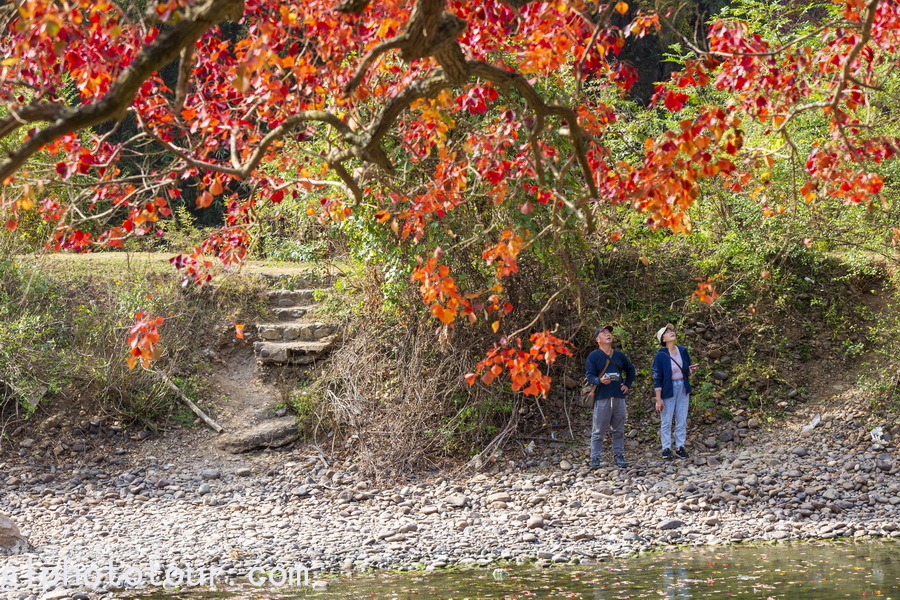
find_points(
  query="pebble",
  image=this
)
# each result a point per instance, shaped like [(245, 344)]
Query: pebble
[(288, 511)]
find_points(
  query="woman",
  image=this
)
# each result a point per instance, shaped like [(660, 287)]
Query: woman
[(671, 372)]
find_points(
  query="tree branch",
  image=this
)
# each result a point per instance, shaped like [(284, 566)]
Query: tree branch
[(156, 55)]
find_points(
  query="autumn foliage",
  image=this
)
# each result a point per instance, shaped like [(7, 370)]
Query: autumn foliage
[(501, 103)]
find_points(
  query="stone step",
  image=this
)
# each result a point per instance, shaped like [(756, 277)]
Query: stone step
[(298, 281), (291, 353), (270, 434), (287, 314), (290, 298), (286, 332)]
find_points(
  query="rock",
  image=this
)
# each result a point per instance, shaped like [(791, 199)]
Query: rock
[(799, 451), (272, 433), (243, 472), (753, 423), (11, 539), (565, 465), (210, 474), (721, 375), (529, 537), (670, 524), (498, 497), (535, 522), (457, 500), (726, 436), (319, 586)]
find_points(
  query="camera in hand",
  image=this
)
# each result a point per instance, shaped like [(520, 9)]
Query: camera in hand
[(614, 376)]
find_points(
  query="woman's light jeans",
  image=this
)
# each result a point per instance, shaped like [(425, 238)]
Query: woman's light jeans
[(677, 407)]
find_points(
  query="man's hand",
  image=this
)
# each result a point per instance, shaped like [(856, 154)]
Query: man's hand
[(605, 379)]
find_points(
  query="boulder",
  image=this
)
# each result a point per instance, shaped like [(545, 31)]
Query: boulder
[(11, 539), (269, 434)]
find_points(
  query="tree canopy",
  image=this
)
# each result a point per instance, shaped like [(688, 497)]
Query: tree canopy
[(504, 113)]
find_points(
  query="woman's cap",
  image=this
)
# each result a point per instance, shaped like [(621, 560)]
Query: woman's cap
[(662, 330)]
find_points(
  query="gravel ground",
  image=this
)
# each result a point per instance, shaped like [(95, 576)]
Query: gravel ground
[(102, 516)]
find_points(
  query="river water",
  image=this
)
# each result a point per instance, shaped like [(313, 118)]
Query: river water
[(825, 571)]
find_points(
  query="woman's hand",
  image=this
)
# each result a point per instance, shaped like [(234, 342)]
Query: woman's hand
[(659, 405)]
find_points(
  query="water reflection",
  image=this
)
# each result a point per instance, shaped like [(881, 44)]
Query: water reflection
[(675, 584), (786, 572)]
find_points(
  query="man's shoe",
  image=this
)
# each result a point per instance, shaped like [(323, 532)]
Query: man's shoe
[(595, 463), (621, 462), (682, 453), (667, 454)]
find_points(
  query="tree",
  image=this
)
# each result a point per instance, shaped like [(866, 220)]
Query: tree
[(500, 103)]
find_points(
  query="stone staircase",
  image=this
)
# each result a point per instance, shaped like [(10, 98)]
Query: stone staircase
[(292, 342), (296, 337)]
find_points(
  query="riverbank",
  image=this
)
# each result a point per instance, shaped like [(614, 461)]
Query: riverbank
[(152, 510)]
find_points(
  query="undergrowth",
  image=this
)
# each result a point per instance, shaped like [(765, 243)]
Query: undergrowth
[(65, 325), (396, 397)]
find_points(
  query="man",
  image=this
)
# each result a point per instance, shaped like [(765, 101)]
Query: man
[(612, 373)]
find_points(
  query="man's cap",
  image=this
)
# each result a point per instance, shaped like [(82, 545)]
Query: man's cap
[(602, 327), (662, 330)]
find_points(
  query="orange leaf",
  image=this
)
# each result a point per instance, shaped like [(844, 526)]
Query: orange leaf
[(11, 224), (470, 378), (622, 8), (446, 316), (495, 326), (204, 200), (239, 331), (216, 188)]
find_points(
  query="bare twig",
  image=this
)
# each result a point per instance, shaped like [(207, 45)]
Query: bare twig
[(190, 404)]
